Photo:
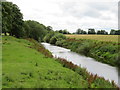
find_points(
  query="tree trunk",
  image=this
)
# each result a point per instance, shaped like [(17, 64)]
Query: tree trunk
[(5, 33)]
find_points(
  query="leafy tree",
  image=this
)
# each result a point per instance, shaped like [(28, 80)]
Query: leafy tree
[(64, 31), (91, 31), (35, 30), (26, 29), (103, 32), (57, 37), (112, 32), (117, 32), (48, 36), (60, 31), (12, 19), (49, 28), (79, 31)]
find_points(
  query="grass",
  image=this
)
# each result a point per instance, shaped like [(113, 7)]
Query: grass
[(108, 38), (24, 67), (26, 64)]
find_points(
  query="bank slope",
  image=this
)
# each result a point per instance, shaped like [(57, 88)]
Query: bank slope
[(25, 65)]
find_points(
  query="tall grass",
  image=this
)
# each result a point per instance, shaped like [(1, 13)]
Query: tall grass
[(106, 52)]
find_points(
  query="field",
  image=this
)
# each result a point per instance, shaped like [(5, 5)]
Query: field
[(109, 38)]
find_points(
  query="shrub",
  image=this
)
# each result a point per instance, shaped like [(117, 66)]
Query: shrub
[(48, 37), (57, 37), (85, 48), (59, 43), (53, 40)]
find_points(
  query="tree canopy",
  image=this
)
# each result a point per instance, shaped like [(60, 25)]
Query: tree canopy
[(34, 29), (12, 19)]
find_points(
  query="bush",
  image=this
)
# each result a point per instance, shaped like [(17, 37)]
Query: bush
[(48, 37), (53, 40), (57, 37), (85, 48)]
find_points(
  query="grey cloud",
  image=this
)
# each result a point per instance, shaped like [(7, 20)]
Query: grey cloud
[(74, 9)]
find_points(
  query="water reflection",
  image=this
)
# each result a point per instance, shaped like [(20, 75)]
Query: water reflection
[(103, 70)]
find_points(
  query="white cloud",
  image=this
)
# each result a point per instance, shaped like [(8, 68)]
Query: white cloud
[(71, 14)]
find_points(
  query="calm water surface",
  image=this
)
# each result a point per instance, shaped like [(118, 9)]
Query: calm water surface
[(94, 67)]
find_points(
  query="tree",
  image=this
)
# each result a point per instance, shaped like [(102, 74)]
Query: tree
[(80, 31), (117, 32), (36, 30), (49, 28), (102, 32), (12, 19), (112, 32), (91, 31), (64, 31)]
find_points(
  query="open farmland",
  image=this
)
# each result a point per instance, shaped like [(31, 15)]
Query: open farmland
[(109, 38)]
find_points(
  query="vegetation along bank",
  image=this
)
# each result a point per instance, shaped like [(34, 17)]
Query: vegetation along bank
[(102, 51)]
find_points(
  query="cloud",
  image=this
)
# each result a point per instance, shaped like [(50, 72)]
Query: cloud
[(71, 14)]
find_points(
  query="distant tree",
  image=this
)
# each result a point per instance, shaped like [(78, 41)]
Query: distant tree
[(103, 32), (49, 28), (84, 32), (117, 32), (78, 31), (91, 31), (112, 32), (60, 31), (64, 31)]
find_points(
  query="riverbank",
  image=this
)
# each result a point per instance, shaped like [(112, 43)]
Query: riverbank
[(105, 52), (27, 64)]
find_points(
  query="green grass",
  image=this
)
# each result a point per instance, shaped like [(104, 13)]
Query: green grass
[(24, 67), (26, 64)]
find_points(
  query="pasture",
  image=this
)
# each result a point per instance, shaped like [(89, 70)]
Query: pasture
[(108, 38)]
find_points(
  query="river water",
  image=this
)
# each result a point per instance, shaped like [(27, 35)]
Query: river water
[(108, 72)]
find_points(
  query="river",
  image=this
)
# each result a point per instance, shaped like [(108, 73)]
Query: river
[(103, 70)]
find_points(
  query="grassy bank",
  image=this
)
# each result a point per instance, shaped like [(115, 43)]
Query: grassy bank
[(106, 52), (103, 51), (26, 64)]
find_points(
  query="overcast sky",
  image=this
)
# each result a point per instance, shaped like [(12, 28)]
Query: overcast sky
[(71, 14)]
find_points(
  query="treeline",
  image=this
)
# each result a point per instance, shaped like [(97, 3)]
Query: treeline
[(91, 31), (14, 25)]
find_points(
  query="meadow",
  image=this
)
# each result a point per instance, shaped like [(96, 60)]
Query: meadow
[(28, 65), (108, 38)]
